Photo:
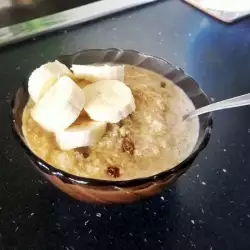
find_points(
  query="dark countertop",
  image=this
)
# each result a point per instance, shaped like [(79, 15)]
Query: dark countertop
[(208, 208)]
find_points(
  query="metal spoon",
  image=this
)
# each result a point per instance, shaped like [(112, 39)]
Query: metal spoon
[(238, 101)]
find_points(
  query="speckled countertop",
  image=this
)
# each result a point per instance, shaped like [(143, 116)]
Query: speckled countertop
[(208, 208)]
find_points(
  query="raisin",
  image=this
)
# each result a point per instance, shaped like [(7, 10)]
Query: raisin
[(128, 146), (113, 171), (84, 151), (163, 84)]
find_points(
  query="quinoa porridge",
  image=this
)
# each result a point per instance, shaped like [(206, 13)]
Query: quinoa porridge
[(152, 139)]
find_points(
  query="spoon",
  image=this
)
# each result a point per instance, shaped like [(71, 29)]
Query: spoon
[(238, 101)]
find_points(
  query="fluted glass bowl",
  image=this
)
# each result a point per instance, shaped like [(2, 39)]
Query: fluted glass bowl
[(102, 191)]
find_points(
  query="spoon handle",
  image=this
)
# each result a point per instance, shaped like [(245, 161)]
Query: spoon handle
[(226, 104)]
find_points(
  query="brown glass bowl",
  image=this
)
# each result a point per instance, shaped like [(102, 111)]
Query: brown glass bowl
[(101, 191)]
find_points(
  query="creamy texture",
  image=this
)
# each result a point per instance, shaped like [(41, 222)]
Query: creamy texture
[(153, 139)]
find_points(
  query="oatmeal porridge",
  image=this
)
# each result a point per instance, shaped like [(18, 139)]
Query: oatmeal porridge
[(150, 140)]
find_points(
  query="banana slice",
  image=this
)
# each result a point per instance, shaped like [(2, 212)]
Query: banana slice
[(108, 101), (88, 133), (60, 106), (44, 77), (99, 72)]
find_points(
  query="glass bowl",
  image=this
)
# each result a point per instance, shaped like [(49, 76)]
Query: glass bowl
[(102, 191)]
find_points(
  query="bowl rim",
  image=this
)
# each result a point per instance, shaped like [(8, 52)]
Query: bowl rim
[(73, 179)]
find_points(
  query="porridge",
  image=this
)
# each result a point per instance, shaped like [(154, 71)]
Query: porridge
[(149, 140)]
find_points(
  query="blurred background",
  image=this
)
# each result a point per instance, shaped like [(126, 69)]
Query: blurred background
[(16, 11)]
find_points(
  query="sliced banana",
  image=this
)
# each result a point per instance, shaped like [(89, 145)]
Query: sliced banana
[(60, 106), (108, 101), (88, 133), (99, 72), (44, 77)]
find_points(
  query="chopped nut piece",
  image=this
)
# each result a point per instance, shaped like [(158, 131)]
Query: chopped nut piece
[(113, 171), (128, 146), (163, 84)]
